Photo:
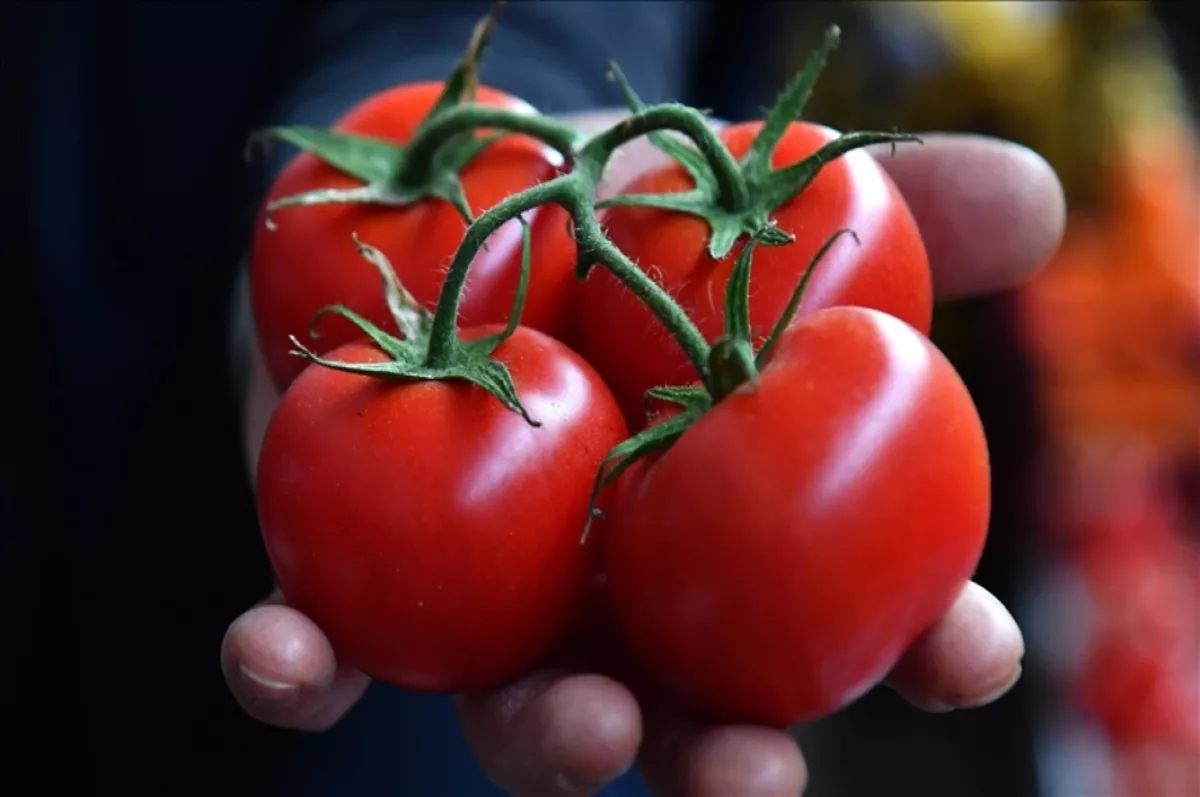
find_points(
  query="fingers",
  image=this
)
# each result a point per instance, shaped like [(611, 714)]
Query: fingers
[(282, 671), (991, 212), (553, 733), (686, 759), (969, 659)]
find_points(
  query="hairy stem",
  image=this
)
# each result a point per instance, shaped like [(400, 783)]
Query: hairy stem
[(673, 317), (575, 192), (431, 136), (734, 196), (443, 334)]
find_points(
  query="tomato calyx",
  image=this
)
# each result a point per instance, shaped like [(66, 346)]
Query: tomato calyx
[(412, 355), (456, 130), (741, 204), (733, 363)]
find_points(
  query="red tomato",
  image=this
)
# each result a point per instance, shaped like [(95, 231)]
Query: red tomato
[(309, 260), (430, 532), (888, 271), (777, 560)]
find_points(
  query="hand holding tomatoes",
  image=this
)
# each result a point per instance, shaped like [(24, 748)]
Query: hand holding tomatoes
[(283, 670), (595, 722)]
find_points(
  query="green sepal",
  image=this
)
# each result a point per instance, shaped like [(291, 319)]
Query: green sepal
[(778, 187), (793, 305), (689, 397), (623, 455), (768, 189), (756, 163), (702, 201), (469, 361), (389, 178), (397, 349), (370, 159)]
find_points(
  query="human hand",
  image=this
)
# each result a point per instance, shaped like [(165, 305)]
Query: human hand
[(991, 213)]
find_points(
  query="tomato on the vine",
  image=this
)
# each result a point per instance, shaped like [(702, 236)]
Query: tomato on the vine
[(886, 269), (776, 561), (304, 260), (432, 533)]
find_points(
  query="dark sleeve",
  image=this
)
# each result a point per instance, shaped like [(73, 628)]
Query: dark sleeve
[(551, 54)]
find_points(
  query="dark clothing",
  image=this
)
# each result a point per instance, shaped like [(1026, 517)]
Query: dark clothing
[(129, 540)]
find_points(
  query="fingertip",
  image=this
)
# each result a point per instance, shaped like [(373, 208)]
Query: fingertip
[(278, 645), (553, 733), (724, 760), (597, 709), (969, 659), (991, 212), (282, 670)]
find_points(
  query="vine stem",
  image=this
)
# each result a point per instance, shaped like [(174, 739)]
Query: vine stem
[(574, 192), (589, 236), (443, 333), (734, 194), (428, 139)]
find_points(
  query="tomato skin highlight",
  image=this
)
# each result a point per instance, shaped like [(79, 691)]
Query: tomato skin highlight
[(778, 559), (887, 270), (309, 260), (430, 532)]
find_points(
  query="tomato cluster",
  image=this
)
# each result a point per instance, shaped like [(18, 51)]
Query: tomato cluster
[(807, 500)]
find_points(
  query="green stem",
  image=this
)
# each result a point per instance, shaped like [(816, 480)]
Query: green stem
[(443, 333), (731, 363), (575, 192), (589, 236), (734, 195), (439, 129)]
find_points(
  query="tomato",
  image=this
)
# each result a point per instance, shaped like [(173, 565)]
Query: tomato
[(433, 534), (775, 562), (309, 260), (888, 271)]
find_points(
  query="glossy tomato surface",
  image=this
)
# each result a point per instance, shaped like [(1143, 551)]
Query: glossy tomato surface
[(777, 560), (887, 271), (309, 260), (433, 534)]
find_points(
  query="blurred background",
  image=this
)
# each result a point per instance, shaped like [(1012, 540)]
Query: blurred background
[(1089, 383), (1088, 379)]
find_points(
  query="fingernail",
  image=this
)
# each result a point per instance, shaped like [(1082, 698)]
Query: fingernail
[(268, 691), (944, 706), (995, 694)]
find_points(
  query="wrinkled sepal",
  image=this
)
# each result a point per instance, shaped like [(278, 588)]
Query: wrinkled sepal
[(467, 361), (462, 83)]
